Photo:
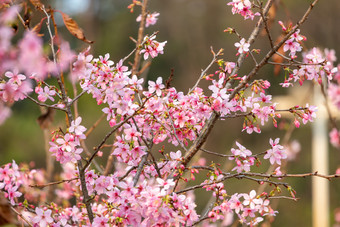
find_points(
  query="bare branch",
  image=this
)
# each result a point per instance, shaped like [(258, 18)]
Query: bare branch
[(53, 183)]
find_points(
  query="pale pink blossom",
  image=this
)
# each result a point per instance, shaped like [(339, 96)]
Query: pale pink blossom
[(76, 128), (156, 87), (46, 93), (251, 200), (242, 46), (42, 218), (12, 193), (151, 19), (276, 153)]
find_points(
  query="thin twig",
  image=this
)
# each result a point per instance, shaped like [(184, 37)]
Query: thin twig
[(45, 105), (53, 183), (283, 197), (264, 18), (207, 68), (77, 97), (127, 173), (21, 216)]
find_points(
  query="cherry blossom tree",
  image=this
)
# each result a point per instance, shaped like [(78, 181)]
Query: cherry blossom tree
[(151, 187)]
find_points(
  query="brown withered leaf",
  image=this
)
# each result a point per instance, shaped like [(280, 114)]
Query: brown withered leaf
[(37, 4), (73, 28), (277, 58), (46, 119), (38, 26)]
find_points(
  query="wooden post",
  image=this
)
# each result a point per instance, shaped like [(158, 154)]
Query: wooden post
[(320, 186)]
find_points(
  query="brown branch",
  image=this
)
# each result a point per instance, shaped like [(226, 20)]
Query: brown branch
[(264, 18), (21, 216), (250, 176), (283, 197), (206, 69), (145, 67), (53, 183), (140, 169), (45, 105), (149, 146), (127, 173), (140, 38)]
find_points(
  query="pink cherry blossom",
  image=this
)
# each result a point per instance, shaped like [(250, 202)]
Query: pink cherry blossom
[(76, 127), (156, 87), (292, 46), (42, 218), (151, 47), (151, 19), (276, 153), (251, 200), (242, 46), (334, 136), (15, 77), (243, 7), (46, 93), (100, 222), (12, 193)]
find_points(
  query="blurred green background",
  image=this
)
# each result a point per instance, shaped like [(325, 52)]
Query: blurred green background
[(191, 27)]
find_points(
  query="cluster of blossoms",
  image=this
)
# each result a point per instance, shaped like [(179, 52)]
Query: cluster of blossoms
[(10, 181), (243, 7), (151, 19), (151, 47), (293, 43), (245, 159), (317, 66), (250, 208), (276, 153), (15, 88), (66, 148)]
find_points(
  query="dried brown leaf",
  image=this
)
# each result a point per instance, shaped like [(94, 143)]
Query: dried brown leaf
[(37, 4), (38, 26), (73, 28), (277, 58), (46, 119)]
